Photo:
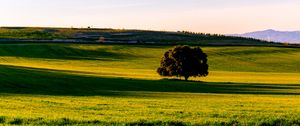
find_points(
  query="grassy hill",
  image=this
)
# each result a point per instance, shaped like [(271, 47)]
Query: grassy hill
[(79, 84), (123, 35)]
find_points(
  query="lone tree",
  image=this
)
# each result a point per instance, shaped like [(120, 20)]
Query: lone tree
[(184, 61)]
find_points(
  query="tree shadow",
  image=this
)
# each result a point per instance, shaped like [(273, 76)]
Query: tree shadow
[(32, 81)]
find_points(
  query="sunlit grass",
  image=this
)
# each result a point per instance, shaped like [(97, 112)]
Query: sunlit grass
[(227, 64), (56, 84), (89, 68), (187, 108)]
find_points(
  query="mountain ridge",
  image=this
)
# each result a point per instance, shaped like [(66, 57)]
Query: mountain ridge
[(273, 35)]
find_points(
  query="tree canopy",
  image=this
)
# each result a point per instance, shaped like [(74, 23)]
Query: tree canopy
[(184, 61)]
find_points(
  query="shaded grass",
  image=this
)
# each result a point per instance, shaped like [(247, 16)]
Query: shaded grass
[(22, 80), (60, 52)]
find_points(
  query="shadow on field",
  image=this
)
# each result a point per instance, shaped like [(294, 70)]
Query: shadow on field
[(64, 52), (21, 80)]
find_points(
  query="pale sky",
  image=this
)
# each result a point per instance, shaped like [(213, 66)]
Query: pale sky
[(210, 16)]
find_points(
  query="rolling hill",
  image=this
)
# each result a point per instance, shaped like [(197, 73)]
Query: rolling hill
[(77, 83), (88, 84), (84, 35)]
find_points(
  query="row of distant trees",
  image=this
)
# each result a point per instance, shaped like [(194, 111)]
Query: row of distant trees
[(217, 36), (200, 33)]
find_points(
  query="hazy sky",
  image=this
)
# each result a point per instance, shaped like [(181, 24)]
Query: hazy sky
[(214, 16)]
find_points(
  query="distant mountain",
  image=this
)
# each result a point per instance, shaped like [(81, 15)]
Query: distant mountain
[(273, 35)]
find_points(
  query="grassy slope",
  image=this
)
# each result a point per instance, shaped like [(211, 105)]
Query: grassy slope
[(160, 37), (141, 62), (92, 82)]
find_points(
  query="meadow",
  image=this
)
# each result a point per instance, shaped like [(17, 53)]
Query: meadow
[(80, 84)]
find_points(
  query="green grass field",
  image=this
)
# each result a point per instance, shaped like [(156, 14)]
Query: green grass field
[(61, 84)]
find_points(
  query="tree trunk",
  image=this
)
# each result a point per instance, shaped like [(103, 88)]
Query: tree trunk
[(186, 78)]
